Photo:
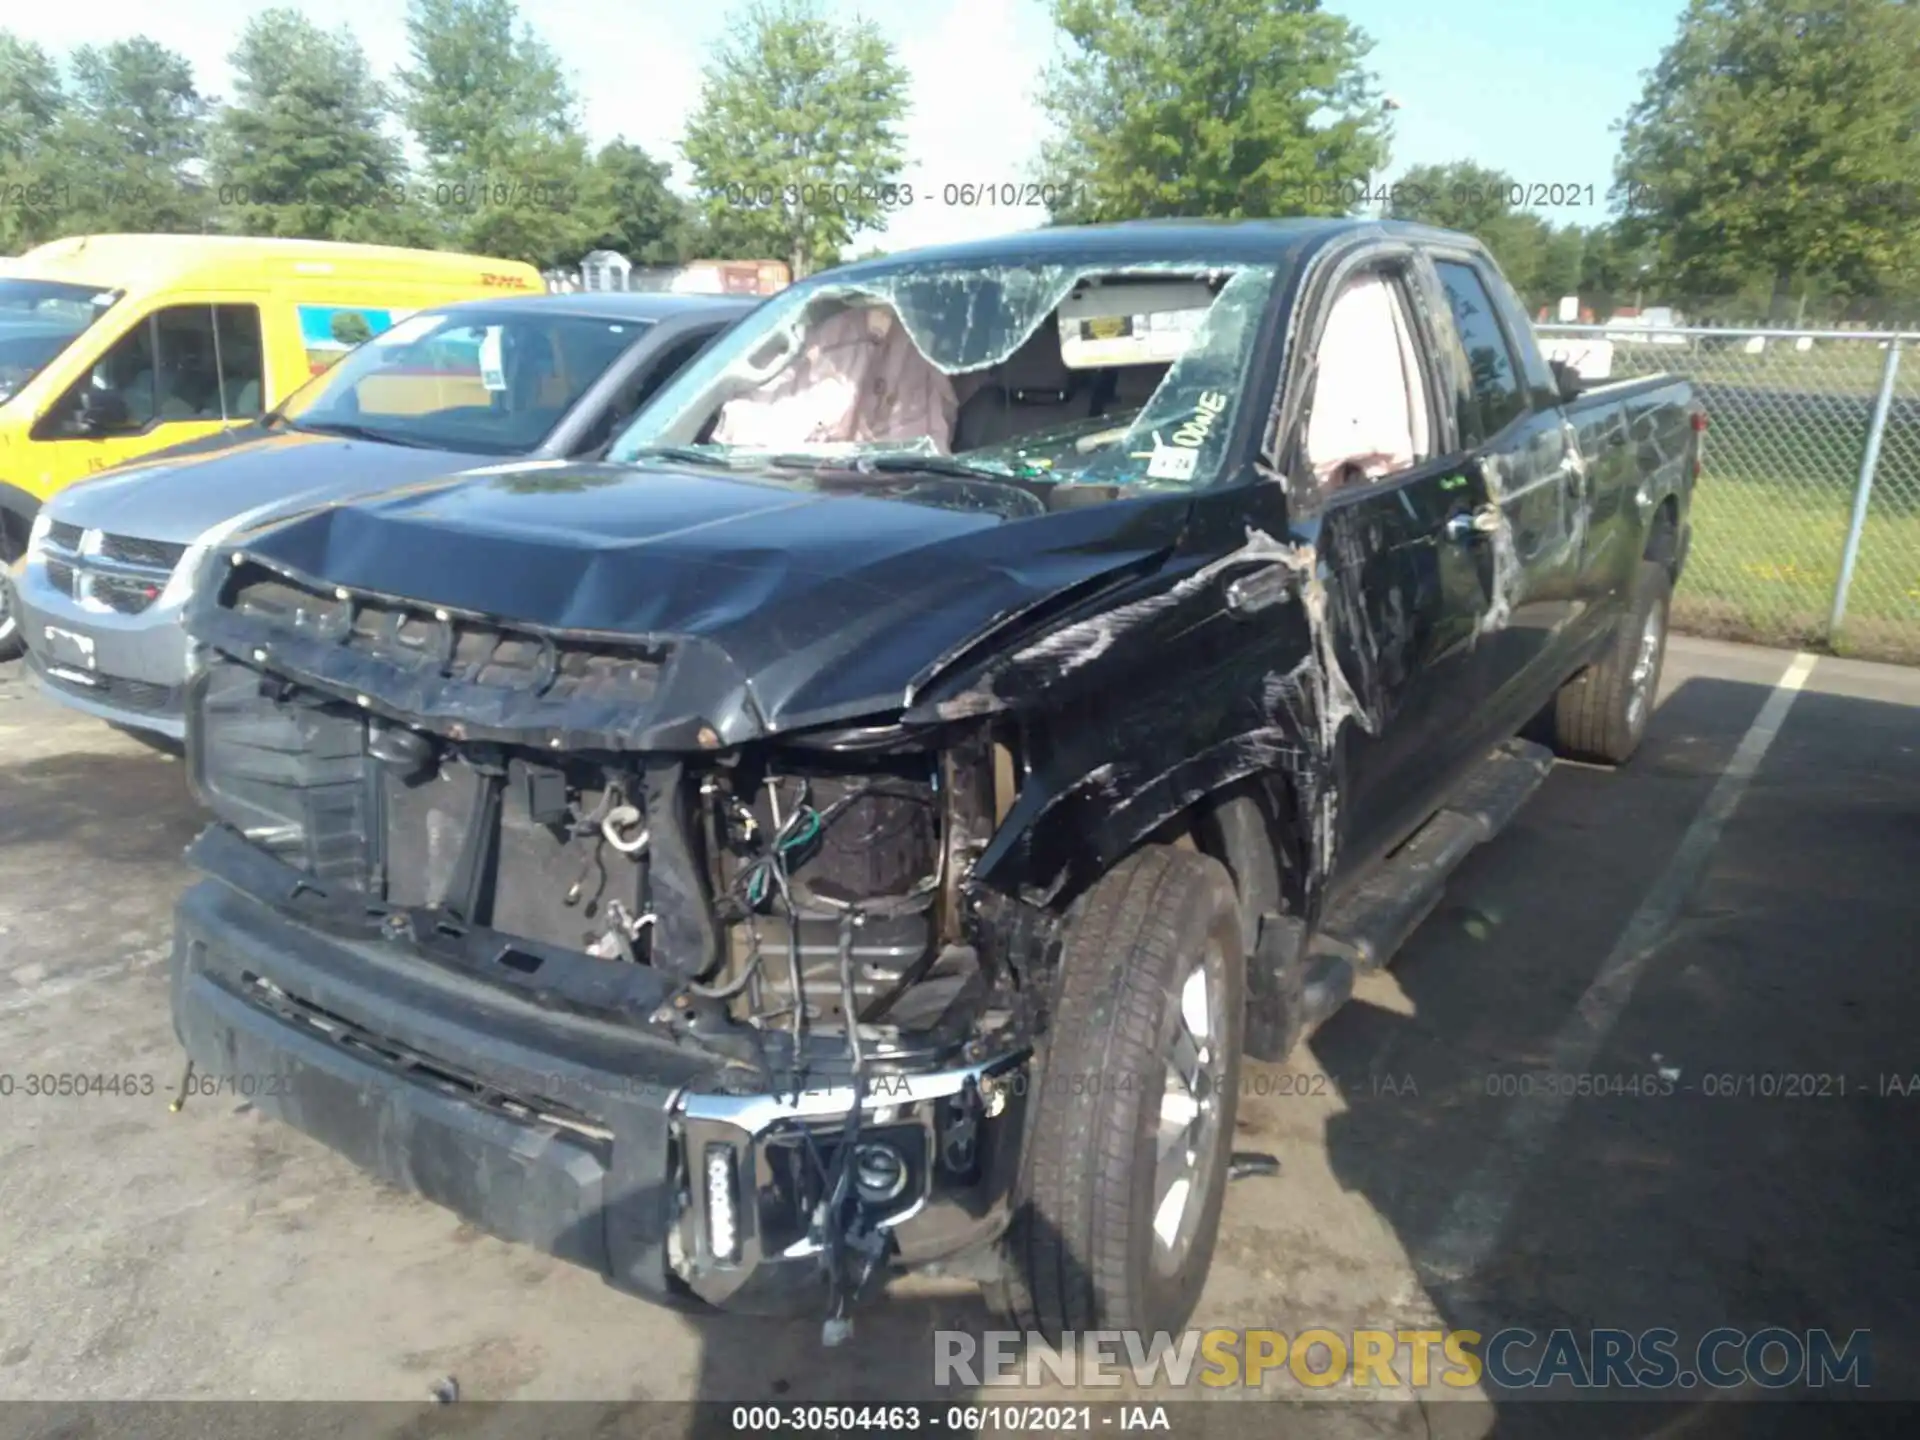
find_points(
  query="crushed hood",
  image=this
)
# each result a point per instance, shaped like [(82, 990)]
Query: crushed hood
[(812, 599)]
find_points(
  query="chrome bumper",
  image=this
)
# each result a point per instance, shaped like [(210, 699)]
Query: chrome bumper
[(752, 1171)]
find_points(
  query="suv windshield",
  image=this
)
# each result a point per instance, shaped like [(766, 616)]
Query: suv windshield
[(489, 384), (1109, 373), (39, 319)]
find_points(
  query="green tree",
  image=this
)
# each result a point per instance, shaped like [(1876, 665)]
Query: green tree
[(1563, 251), (131, 143), (499, 124), (303, 149), (1478, 201), (650, 224), (31, 103), (1615, 269), (1229, 108), (350, 327), (1779, 141), (797, 135)]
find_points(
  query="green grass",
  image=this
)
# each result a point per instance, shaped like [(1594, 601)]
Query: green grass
[(1766, 554), (1771, 510)]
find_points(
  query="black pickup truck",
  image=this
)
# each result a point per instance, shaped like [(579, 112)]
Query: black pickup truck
[(863, 823)]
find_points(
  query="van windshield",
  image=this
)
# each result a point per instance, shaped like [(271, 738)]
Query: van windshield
[(484, 383), (39, 319)]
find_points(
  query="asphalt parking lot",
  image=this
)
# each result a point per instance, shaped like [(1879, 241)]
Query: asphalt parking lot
[(1743, 901)]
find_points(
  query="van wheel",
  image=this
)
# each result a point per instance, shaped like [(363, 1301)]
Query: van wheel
[(1130, 1121), (13, 543), (1601, 714)]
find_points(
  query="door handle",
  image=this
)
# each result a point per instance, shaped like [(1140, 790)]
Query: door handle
[(1466, 525), (1260, 590)]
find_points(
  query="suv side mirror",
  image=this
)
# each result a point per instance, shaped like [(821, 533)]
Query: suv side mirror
[(1570, 380), (104, 412)]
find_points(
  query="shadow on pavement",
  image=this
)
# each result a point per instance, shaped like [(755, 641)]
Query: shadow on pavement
[(125, 808), (1761, 1177)]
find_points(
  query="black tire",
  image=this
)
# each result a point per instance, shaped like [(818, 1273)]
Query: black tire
[(13, 540), (1601, 714), (1082, 1252)]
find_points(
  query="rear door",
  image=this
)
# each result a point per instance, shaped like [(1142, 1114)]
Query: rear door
[(1529, 458), (1376, 475)]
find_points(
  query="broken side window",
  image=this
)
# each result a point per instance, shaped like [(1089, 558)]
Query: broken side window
[(1369, 413)]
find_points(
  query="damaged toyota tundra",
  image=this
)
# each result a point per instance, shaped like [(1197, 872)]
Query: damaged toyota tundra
[(863, 823)]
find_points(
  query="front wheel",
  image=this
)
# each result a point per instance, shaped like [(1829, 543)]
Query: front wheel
[(12, 642), (1130, 1124)]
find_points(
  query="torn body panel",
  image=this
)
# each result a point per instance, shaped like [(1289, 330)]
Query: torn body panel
[(796, 765)]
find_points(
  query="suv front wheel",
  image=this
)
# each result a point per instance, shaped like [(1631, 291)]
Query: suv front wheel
[(13, 542)]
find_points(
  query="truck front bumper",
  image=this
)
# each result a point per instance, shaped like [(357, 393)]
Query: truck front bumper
[(601, 1144)]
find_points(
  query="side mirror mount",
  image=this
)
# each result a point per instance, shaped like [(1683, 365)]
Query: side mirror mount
[(1569, 380), (104, 412)]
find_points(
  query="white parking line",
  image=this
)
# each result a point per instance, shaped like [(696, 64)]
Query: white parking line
[(1479, 1212)]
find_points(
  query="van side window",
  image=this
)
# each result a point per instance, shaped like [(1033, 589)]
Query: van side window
[(186, 372), (243, 373), (185, 363), (1368, 413), (126, 370), (1498, 395)]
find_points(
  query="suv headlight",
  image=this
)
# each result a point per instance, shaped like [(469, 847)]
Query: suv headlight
[(185, 570), (37, 536)]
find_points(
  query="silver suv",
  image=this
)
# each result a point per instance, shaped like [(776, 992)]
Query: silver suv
[(109, 562)]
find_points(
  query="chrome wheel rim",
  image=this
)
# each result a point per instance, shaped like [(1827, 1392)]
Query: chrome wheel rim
[(1189, 1121), (1646, 667)]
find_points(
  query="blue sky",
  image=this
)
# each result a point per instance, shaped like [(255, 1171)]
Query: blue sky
[(1530, 88)]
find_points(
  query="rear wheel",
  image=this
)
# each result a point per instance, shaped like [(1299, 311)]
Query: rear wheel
[(1130, 1120), (1601, 714)]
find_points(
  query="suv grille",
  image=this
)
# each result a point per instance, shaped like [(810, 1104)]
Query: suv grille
[(158, 554), (120, 572)]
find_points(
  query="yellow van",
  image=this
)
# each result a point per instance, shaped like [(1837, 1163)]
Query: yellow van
[(115, 346)]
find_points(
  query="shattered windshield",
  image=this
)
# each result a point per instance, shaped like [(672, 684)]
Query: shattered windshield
[(1076, 373)]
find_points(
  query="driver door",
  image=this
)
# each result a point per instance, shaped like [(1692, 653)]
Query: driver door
[(1383, 487), (181, 372)]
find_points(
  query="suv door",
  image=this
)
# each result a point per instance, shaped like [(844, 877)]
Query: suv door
[(1529, 457), (1392, 512)]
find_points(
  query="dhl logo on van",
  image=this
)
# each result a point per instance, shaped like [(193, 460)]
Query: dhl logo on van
[(495, 280)]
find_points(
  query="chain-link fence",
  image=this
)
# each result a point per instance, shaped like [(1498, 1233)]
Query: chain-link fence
[(1807, 515)]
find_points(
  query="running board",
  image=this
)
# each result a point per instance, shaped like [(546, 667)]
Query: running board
[(1293, 990)]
